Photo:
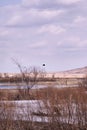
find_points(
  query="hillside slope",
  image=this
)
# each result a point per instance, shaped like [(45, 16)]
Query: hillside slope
[(74, 73), (77, 71)]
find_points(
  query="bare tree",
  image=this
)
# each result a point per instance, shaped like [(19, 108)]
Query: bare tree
[(29, 78)]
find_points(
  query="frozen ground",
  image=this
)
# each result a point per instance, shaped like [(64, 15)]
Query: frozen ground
[(37, 110)]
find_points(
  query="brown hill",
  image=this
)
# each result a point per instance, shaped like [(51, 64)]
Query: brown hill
[(77, 71)]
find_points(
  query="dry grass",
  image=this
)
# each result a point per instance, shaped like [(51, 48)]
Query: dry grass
[(59, 108), (8, 94)]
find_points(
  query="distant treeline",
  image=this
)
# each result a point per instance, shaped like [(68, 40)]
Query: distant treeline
[(20, 79)]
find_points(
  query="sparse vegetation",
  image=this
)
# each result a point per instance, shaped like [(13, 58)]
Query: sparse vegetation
[(83, 84), (64, 109), (43, 109)]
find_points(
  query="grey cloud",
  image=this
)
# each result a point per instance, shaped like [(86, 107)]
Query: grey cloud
[(34, 17), (48, 3)]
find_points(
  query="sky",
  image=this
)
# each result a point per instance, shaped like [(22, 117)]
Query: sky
[(37, 32)]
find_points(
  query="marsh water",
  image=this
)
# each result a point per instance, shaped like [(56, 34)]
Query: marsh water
[(34, 87)]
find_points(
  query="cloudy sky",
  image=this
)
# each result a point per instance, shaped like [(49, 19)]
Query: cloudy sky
[(34, 32)]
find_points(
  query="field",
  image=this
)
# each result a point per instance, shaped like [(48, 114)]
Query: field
[(49, 108), (45, 103)]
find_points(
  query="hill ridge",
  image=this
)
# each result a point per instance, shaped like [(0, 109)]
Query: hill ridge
[(82, 70)]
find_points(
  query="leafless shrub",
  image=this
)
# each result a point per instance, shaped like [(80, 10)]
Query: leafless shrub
[(29, 79), (83, 84), (56, 109), (66, 108)]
